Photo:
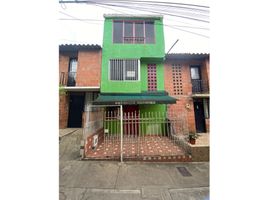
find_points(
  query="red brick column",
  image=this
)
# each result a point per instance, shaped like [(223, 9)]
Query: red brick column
[(63, 111)]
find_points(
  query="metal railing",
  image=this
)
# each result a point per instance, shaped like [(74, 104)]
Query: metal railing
[(143, 133), (200, 87), (68, 78), (134, 40)]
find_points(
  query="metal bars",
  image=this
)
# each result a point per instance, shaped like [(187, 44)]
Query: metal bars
[(124, 69)]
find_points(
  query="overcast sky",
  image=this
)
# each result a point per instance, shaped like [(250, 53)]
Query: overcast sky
[(90, 31)]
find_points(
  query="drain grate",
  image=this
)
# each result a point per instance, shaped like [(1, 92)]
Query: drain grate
[(184, 171)]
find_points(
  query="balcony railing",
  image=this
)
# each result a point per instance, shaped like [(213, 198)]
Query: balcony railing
[(68, 78), (134, 40), (200, 87)]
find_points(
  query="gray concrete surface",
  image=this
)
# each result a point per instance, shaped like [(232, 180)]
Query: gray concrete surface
[(110, 180)]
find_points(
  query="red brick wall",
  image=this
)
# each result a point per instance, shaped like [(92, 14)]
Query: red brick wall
[(63, 111), (89, 68), (88, 74), (184, 102), (63, 63)]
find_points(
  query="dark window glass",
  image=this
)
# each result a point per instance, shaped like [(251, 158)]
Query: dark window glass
[(128, 29), (139, 29), (118, 32), (116, 70), (149, 32)]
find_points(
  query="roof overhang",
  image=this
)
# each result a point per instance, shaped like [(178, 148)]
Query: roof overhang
[(82, 89), (187, 56), (152, 59), (134, 98)]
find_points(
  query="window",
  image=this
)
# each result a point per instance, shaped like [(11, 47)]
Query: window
[(118, 32), (72, 72), (149, 32), (195, 72), (206, 108), (124, 69), (133, 32)]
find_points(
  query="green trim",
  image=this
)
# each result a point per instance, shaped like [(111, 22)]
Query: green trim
[(134, 99)]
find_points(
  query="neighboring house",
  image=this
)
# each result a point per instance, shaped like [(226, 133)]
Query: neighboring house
[(187, 80), (133, 63), (79, 79)]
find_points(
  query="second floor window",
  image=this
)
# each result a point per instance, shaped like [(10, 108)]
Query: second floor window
[(124, 69), (133, 32), (72, 72)]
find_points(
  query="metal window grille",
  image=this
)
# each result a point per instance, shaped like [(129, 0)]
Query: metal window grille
[(122, 69)]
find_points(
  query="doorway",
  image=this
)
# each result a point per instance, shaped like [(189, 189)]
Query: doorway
[(76, 108), (200, 123), (131, 120)]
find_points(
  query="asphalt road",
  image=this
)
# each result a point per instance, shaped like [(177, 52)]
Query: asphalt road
[(111, 180)]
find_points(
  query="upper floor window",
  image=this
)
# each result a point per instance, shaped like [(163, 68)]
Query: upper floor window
[(195, 72), (133, 32), (72, 72), (124, 69)]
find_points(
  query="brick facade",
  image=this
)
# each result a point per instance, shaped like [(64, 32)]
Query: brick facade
[(87, 74), (185, 102), (63, 110), (89, 68)]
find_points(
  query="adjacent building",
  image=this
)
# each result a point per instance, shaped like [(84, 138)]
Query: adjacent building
[(187, 80), (79, 80)]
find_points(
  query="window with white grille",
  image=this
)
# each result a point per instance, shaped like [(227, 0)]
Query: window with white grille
[(124, 69)]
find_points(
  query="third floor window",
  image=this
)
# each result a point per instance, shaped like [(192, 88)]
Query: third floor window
[(133, 32)]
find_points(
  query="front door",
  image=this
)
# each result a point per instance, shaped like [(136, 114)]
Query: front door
[(200, 123), (76, 107), (131, 120)]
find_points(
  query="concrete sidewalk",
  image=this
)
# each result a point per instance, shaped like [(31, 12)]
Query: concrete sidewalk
[(67, 131), (110, 180)]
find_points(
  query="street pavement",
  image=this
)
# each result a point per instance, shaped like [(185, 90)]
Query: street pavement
[(112, 180)]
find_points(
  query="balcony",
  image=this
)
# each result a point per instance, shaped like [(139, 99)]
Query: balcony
[(200, 87), (68, 78), (134, 40)]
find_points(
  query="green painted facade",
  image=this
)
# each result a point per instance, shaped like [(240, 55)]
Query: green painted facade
[(147, 54)]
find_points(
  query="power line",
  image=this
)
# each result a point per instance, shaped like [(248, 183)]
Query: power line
[(174, 25), (170, 14), (145, 7), (157, 2)]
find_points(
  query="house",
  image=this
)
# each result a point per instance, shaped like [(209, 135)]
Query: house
[(133, 63), (79, 79), (163, 96), (187, 80)]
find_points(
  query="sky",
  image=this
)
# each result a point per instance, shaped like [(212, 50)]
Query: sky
[(90, 31)]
